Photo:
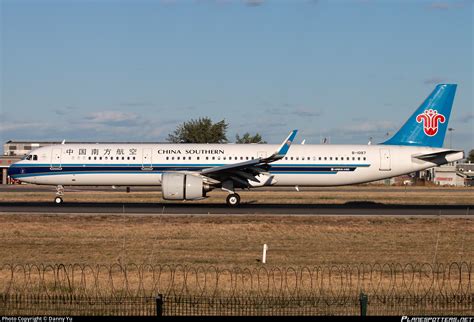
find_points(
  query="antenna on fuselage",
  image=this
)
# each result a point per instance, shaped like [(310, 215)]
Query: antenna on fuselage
[(64, 141)]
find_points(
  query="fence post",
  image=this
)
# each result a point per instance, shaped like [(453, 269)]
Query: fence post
[(363, 299), (159, 305)]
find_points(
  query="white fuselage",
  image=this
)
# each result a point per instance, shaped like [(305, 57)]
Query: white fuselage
[(143, 164)]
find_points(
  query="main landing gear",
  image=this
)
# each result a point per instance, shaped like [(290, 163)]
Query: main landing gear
[(233, 200), (59, 195)]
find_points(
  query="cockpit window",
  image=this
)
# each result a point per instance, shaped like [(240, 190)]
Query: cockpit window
[(30, 157)]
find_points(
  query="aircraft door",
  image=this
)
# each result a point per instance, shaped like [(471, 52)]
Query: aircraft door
[(147, 159), (56, 159), (385, 160)]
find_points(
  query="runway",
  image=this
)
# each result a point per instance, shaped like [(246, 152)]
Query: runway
[(189, 208), (38, 188)]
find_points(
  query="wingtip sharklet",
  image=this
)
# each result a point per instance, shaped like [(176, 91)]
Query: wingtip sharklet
[(285, 146)]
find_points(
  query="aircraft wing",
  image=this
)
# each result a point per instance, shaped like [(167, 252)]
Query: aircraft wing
[(242, 172)]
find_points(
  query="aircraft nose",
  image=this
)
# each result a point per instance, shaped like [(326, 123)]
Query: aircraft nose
[(13, 169)]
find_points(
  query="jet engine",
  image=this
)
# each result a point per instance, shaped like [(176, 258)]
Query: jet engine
[(181, 186)]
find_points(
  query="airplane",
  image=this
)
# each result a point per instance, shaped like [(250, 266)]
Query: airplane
[(190, 171)]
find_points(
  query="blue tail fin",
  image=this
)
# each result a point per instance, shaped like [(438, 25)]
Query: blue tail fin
[(427, 126)]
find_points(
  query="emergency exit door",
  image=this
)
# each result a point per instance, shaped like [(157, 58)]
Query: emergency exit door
[(147, 160), (385, 160), (56, 159)]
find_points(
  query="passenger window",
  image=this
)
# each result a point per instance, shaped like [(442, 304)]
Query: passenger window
[(364, 158), (213, 158), (246, 158), (241, 158), (224, 158), (89, 158), (336, 159), (207, 158), (35, 158), (197, 158), (172, 158), (128, 158), (348, 158), (330, 158), (291, 158), (358, 158), (308, 158), (189, 158), (95, 158)]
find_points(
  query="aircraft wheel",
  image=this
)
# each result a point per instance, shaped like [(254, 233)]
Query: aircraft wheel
[(233, 200), (58, 200)]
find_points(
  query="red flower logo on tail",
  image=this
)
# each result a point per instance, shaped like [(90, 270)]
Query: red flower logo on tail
[(430, 119)]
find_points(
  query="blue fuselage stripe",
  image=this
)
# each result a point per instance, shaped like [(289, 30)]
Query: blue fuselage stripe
[(24, 170)]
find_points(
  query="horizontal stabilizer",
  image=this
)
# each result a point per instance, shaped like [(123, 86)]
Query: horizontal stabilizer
[(444, 155)]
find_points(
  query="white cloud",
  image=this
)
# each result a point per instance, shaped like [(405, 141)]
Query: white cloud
[(254, 3), (433, 80), (113, 117), (447, 5), (368, 127)]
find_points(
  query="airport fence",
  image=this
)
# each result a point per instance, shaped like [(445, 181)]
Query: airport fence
[(132, 289)]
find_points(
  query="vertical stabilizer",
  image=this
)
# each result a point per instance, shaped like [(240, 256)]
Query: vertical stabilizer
[(427, 126)]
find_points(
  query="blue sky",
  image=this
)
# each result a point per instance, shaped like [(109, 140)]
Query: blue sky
[(106, 70)]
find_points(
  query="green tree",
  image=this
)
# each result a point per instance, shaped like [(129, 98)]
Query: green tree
[(202, 130), (471, 156), (247, 138)]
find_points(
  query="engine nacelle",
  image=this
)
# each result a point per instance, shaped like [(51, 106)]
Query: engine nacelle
[(180, 186)]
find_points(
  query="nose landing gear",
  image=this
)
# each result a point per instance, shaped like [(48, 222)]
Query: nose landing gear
[(59, 194)]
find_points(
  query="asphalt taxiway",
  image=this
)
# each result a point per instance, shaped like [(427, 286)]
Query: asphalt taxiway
[(249, 208)]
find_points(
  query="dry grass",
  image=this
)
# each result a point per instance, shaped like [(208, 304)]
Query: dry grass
[(340, 195), (231, 241)]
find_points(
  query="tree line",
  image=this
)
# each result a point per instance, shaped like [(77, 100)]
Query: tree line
[(203, 130)]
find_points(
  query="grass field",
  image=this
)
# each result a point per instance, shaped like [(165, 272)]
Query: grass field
[(236, 241), (229, 241), (380, 194)]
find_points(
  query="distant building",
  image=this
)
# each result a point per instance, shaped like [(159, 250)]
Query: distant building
[(22, 148), (5, 162), (447, 175), (466, 170)]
